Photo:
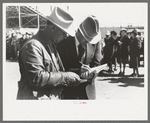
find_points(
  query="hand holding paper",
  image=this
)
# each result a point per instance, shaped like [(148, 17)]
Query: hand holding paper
[(90, 73), (85, 72)]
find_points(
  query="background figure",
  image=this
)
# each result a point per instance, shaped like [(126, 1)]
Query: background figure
[(8, 46), (142, 50), (135, 47), (106, 41), (111, 50), (17, 46), (13, 46), (123, 52), (14, 42)]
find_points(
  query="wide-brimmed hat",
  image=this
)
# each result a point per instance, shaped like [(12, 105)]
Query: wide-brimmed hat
[(90, 29), (123, 29), (113, 32), (135, 32), (107, 33), (63, 20)]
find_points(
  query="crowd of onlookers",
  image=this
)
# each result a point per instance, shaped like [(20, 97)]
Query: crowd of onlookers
[(14, 42), (123, 49)]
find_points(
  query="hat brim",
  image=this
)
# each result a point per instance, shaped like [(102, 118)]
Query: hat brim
[(96, 39), (123, 30), (70, 30)]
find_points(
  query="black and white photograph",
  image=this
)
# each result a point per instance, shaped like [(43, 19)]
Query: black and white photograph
[(75, 61)]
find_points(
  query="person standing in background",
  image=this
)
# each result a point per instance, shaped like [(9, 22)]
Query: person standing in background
[(111, 51), (123, 52), (135, 47), (13, 46), (105, 49)]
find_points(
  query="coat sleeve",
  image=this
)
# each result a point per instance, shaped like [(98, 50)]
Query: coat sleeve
[(128, 41), (97, 56), (34, 69), (139, 45)]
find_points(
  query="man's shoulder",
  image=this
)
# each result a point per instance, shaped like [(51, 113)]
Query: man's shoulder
[(67, 41), (32, 43), (127, 38)]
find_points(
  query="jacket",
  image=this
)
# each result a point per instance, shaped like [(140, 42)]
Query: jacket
[(39, 76), (70, 59), (110, 49), (123, 50)]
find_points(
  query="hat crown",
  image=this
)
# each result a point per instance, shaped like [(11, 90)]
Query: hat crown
[(135, 31), (61, 17), (107, 33), (89, 28), (63, 20), (123, 29)]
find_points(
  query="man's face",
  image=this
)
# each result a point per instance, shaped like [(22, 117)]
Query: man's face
[(123, 33), (114, 36), (59, 35), (132, 35), (80, 37)]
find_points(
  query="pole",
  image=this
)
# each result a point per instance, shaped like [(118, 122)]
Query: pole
[(38, 18), (19, 17)]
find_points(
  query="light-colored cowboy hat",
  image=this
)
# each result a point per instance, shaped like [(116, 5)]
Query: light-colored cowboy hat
[(107, 33), (123, 29), (90, 30), (63, 20), (97, 38)]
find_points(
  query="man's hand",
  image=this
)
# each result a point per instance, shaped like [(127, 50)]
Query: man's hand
[(71, 79), (119, 42), (86, 72)]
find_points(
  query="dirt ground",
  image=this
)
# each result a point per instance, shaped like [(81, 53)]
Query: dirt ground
[(108, 86)]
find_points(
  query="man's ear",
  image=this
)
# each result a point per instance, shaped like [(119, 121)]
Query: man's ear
[(53, 27)]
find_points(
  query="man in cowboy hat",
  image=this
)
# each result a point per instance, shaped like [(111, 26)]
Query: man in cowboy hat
[(84, 48), (42, 72)]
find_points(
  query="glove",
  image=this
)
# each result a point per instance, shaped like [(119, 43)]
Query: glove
[(70, 79), (119, 42)]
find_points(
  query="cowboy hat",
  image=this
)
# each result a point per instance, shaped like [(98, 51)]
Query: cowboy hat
[(107, 33), (63, 20), (123, 29), (90, 30), (135, 32)]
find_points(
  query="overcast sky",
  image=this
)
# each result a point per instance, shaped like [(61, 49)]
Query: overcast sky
[(108, 14)]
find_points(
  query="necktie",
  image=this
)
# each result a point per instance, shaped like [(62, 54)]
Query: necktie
[(81, 53)]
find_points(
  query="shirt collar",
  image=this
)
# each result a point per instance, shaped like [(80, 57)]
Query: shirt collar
[(76, 41)]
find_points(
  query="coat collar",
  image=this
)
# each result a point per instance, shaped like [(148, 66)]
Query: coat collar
[(90, 49), (89, 53), (41, 36)]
